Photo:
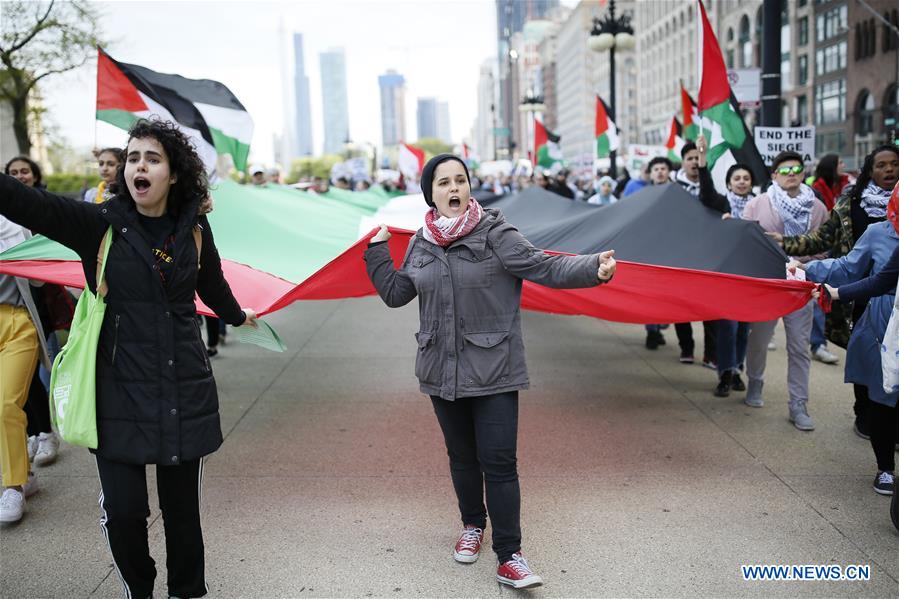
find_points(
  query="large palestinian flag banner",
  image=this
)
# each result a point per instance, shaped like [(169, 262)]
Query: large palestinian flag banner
[(205, 110), (679, 262)]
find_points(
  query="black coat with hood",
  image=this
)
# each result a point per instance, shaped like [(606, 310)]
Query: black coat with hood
[(156, 396)]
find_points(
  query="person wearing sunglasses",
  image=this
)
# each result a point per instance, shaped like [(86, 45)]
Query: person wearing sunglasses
[(860, 206), (789, 207)]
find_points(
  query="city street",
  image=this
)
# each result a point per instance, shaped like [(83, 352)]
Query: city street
[(636, 481)]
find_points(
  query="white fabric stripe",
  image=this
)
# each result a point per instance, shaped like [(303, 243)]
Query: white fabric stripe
[(205, 149), (231, 122), (103, 520)]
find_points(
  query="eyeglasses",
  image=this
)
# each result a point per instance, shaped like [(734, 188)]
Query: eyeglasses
[(789, 170)]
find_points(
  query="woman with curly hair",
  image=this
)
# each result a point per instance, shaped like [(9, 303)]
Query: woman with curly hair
[(156, 395)]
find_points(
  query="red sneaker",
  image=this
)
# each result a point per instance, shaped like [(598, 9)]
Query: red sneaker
[(517, 574), (468, 547)]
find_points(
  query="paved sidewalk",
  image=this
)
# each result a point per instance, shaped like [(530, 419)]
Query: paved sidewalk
[(636, 481)]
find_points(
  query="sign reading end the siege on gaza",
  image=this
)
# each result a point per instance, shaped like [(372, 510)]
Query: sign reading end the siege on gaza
[(771, 141)]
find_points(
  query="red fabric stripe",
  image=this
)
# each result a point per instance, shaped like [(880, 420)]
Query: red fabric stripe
[(639, 293), (714, 87), (602, 119), (114, 90)]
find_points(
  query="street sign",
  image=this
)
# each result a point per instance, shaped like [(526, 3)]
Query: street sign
[(746, 85), (501, 131), (771, 141)]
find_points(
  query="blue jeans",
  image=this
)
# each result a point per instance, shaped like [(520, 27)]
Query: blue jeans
[(732, 339), (817, 338)]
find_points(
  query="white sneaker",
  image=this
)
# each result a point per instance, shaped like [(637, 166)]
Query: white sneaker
[(12, 505), (30, 487), (822, 355), (32, 447), (47, 449), (772, 345)]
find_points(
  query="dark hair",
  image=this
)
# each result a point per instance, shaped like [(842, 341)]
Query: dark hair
[(191, 184), (689, 146), (827, 169), (35, 169), (864, 176), (783, 157), (660, 160), (119, 154), (739, 166)]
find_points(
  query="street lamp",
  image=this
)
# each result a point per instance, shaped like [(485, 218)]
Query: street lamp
[(610, 33), (530, 105)]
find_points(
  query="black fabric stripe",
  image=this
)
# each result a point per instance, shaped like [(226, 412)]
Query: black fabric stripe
[(660, 224)]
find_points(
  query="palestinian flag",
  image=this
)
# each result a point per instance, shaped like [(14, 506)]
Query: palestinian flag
[(679, 261), (470, 158), (729, 141), (206, 111), (675, 140), (690, 115), (546, 146), (606, 132), (411, 160)]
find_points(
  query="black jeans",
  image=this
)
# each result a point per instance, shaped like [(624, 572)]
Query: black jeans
[(481, 436), (884, 421), (212, 331), (37, 407), (124, 503), (685, 338)]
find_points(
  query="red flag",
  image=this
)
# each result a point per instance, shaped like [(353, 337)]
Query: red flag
[(540, 139), (411, 160), (715, 87)]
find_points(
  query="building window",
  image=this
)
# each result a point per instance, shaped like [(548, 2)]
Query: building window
[(745, 43), (830, 143), (758, 36), (830, 102), (803, 69), (803, 31), (830, 59), (891, 107), (730, 58), (831, 23), (865, 124), (730, 34), (802, 110), (802, 3)]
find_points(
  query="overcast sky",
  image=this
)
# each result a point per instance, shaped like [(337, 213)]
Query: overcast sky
[(438, 45)]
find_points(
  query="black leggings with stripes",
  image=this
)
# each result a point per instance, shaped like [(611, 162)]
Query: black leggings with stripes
[(125, 508)]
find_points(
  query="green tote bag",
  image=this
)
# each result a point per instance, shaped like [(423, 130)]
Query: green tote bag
[(73, 380)]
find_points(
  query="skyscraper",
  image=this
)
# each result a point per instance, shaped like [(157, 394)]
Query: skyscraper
[(393, 108), (427, 117), (511, 16), (443, 123), (301, 99), (334, 100)]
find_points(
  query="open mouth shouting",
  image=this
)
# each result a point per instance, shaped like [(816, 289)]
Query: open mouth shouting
[(141, 185), (455, 202)]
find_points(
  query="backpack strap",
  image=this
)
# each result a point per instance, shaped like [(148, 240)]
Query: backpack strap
[(198, 241), (102, 253)]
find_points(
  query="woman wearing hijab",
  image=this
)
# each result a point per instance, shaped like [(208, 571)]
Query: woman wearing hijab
[(871, 254), (603, 195), (466, 266)]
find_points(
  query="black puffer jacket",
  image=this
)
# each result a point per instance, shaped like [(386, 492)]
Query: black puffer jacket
[(156, 396)]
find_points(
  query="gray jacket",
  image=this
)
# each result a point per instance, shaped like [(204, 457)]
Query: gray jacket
[(469, 342)]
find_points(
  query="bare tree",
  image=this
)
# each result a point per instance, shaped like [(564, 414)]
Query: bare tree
[(39, 39)]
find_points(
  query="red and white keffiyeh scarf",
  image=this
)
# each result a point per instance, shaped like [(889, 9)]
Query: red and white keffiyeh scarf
[(443, 231)]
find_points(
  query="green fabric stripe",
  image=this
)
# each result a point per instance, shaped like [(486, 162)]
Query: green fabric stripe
[(39, 248), (732, 130), (224, 144), (118, 118), (691, 132), (602, 146)]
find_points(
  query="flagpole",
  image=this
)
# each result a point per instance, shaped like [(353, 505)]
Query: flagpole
[(699, 42)]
